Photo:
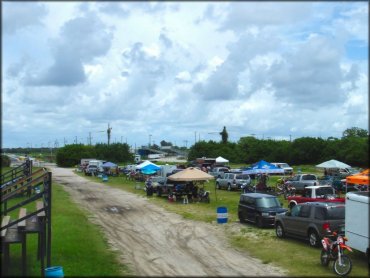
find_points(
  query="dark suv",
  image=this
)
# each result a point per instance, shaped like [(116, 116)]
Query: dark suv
[(311, 221), (259, 208)]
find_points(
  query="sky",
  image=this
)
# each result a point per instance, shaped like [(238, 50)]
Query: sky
[(181, 71)]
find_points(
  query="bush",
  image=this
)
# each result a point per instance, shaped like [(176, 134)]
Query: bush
[(5, 161)]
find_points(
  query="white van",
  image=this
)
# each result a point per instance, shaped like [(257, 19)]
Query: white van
[(357, 221)]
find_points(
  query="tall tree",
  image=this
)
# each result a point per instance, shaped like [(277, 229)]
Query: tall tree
[(355, 132)]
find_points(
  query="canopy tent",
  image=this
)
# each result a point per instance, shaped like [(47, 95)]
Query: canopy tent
[(220, 159), (333, 164), (146, 163), (149, 168), (361, 178), (261, 167), (191, 174), (109, 165)]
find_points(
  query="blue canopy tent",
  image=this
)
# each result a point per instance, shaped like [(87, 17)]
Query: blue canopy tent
[(150, 169), (109, 165), (262, 167)]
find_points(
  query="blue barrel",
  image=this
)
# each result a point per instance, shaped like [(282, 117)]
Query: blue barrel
[(222, 215), (54, 271), (105, 178)]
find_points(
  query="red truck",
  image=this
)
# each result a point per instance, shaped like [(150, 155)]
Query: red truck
[(319, 193)]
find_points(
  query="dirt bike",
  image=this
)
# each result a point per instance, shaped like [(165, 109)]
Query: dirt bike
[(333, 250), (203, 196), (283, 188)]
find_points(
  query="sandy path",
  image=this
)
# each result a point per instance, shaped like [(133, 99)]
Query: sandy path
[(154, 242)]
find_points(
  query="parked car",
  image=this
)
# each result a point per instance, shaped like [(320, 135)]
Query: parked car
[(218, 172), (233, 181), (311, 221), (285, 166), (319, 193), (259, 208), (299, 182), (91, 170)]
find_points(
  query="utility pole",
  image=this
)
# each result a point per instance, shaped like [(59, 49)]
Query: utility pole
[(108, 133), (290, 137)]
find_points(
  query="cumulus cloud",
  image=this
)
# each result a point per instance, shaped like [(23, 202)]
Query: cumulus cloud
[(21, 15), (242, 15), (81, 40)]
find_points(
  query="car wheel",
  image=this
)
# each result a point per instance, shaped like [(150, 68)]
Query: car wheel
[(259, 222), (159, 192), (313, 238), (291, 205), (217, 185), (240, 216), (229, 187), (279, 230)]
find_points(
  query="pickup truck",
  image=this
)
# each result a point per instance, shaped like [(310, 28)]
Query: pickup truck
[(233, 181), (320, 193), (299, 182), (218, 172)]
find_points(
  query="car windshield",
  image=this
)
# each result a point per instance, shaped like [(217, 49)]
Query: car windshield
[(309, 177), (335, 213), (267, 203), (242, 177), (324, 191), (284, 165)]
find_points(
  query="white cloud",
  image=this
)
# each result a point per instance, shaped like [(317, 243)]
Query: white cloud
[(173, 69)]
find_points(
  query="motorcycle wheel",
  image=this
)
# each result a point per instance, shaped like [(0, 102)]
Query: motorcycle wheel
[(344, 268), (324, 257)]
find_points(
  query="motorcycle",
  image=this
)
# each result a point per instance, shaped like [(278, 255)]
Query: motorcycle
[(203, 196), (284, 188), (333, 250)]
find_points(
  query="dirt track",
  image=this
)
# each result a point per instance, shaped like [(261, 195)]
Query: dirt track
[(154, 242)]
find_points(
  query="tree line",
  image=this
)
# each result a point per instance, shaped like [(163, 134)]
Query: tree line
[(352, 148), (70, 155)]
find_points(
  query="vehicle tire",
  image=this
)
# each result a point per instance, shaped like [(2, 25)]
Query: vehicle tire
[(279, 230), (313, 238), (159, 191), (324, 257), (217, 185), (229, 187), (241, 219), (259, 222), (344, 268)]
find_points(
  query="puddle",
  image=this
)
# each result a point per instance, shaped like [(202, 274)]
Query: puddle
[(117, 209)]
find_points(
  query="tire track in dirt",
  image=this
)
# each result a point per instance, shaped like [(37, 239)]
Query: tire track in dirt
[(155, 242)]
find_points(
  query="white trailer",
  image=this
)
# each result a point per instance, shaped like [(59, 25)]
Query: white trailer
[(155, 155), (357, 221)]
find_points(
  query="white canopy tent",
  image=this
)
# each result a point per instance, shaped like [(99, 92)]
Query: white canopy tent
[(220, 159), (333, 164)]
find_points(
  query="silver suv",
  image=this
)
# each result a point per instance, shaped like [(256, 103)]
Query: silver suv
[(311, 221), (233, 181)]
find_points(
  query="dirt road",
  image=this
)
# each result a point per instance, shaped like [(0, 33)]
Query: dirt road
[(154, 242)]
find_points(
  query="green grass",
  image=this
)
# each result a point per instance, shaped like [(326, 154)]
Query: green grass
[(77, 245), (294, 255)]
